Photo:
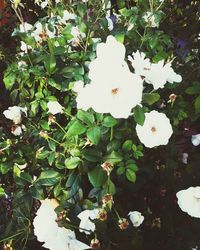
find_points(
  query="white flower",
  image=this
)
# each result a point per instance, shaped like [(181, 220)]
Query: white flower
[(159, 74), (15, 114), (86, 216), (149, 18), (24, 47), (185, 158), (21, 166), (141, 64), (65, 239), (110, 23), (112, 51), (113, 88), (55, 107), (195, 140), (77, 35), (17, 130), (136, 218), (47, 230), (45, 226), (42, 4), (189, 201), (78, 86), (156, 129), (66, 16), (116, 95), (40, 33), (25, 27)]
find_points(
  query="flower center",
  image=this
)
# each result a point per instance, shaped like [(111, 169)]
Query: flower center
[(115, 91), (153, 129)]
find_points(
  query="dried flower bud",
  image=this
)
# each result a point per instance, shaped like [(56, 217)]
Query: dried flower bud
[(107, 198), (123, 223), (7, 247), (95, 244), (44, 134), (102, 215), (51, 119), (108, 167), (172, 98)]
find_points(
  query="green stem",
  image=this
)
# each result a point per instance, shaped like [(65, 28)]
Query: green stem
[(12, 236), (116, 213), (52, 139), (60, 127), (111, 133)]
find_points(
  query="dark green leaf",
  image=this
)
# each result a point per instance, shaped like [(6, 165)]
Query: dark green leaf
[(130, 175), (150, 98), (109, 122), (77, 128), (72, 163), (94, 134), (139, 115), (97, 177)]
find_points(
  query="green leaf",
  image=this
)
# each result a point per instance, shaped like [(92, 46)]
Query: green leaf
[(197, 104), (77, 128), (193, 90), (85, 117), (130, 175), (44, 124), (120, 170), (49, 178), (37, 192), (127, 145), (9, 80), (50, 63), (139, 115), (2, 192), (97, 177), (72, 163), (94, 135), (132, 166), (5, 167), (113, 157), (150, 98), (109, 122), (92, 155)]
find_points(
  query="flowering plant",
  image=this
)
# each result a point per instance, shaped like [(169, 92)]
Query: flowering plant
[(96, 92)]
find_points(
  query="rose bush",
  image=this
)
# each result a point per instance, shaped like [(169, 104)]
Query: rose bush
[(103, 107)]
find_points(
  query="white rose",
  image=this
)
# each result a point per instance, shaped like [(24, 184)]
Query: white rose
[(156, 129), (136, 218), (55, 107), (15, 114), (159, 74), (195, 140), (86, 216), (189, 201)]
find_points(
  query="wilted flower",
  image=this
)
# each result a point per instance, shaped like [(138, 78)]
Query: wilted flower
[(108, 167), (51, 119), (95, 244), (156, 129), (195, 139), (172, 98), (86, 225), (123, 223), (55, 107), (136, 218), (102, 215), (15, 114), (44, 134), (189, 201), (77, 36), (107, 199), (17, 130)]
